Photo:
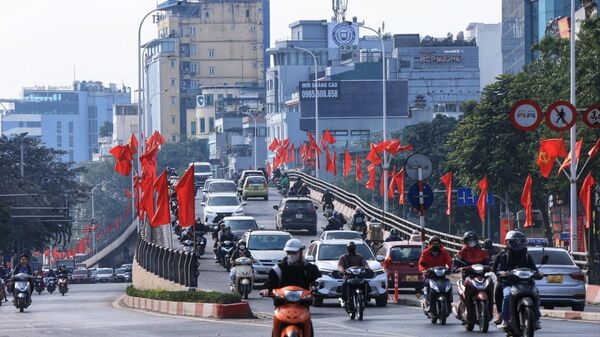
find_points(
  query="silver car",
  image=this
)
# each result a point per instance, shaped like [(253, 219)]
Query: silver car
[(266, 248), (564, 283), (105, 275)]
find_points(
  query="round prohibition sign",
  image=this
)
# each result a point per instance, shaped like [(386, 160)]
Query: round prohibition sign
[(526, 115), (561, 116), (591, 117)]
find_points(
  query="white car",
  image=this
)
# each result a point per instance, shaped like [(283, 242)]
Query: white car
[(325, 255), (207, 189), (266, 247), (341, 234), (221, 205)]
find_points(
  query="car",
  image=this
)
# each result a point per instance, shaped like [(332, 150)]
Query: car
[(325, 255), (80, 275), (341, 234), (122, 275), (206, 186), (221, 205), (296, 213), (402, 257), (104, 275), (93, 273), (564, 282), (266, 247), (247, 173), (255, 187), (128, 266), (240, 224), (202, 171)]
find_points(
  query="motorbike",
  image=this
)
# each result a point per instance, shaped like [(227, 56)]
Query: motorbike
[(361, 227), (438, 309), (2, 291), (357, 292), (200, 244), (523, 295), (292, 316), (374, 234), (62, 285), (476, 298), (244, 277), (22, 291), (188, 245), (328, 209), (38, 283), (333, 223), (226, 250), (174, 206), (51, 286)]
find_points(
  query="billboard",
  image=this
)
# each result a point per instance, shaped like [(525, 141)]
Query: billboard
[(327, 90), (341, 34)]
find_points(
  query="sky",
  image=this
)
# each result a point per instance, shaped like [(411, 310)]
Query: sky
[(51, 42)]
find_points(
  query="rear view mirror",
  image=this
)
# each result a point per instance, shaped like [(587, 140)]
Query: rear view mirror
[(317, 207), (310, 259), (275, 207), (244, 203), (261, 227), (380, 258), (202, 204), (545, 259)]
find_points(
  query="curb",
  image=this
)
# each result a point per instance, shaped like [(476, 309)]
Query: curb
[(204, 310)]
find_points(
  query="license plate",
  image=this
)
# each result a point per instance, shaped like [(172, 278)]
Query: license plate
[(555, 279), (412, 278), (298, 216)]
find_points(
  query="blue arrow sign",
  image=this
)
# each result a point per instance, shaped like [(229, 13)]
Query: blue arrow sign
[(413, 196), (465, 197)]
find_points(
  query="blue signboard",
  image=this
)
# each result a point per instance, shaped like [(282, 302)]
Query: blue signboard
[(565, 236), (465, 197), (413, 196)]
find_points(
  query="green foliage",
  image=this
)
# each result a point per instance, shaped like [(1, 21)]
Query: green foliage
[(180, 155), (185, 296)]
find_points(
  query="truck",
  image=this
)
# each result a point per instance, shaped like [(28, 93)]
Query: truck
[(202, 172)]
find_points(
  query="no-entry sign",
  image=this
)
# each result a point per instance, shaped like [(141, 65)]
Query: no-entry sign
[(561, 116), (526, 115)]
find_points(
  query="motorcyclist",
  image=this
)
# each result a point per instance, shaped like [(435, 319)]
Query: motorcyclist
[(24, 267), (327, 199), (433, 256), (284, 182), (394, 235), (359, 219), (51, 273), (276, 173), (415, 236), (488, 246), (293, 270), (336, 221), (224, 235), (297, 186), (240, 251), (215, 237), (351, 259), (515, 256), (63, 272), (199, 226), (471, 253)]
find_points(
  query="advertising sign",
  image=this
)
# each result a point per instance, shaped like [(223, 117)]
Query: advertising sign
[(327, 90)]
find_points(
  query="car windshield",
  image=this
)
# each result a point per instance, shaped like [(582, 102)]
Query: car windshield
[(298, 205), (242, 224), (223, 201), (222, 187), (268, 242), (120, 271), (343, 235), (201, 168), (80, 272), (105, 271), (333, 252), (555, 257), (405, 253), (255, 180)]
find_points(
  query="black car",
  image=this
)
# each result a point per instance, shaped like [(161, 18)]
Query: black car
[(296, 214), (122, 275)]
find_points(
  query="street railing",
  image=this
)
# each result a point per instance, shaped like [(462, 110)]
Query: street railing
[(452, 243), (173, 265)]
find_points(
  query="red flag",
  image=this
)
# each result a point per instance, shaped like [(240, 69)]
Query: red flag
[(329, 164), (392, 187), (372, 169), (133, 144), (292, 155), (380, 147), (162, 215), (373, 156), (585, 195), (327, 137), (155, 140), (447, 181), (526, 202), (185, 197), (147, 200), (567, 160), (594, 149), (359, 173), (80, 247), (399, 181), (123, 155), (136, 188), (274, 144), (550, 149), (282, 152), (347, 163), (285, 143), (395, 146), (382, 184), (268, 169), (481, 203)]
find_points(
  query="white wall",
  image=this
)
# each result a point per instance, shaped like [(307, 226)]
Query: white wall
[(489, 41)]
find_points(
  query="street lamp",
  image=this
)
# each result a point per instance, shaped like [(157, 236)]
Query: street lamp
[(93, 220), (280, 98), (255, 135), (317, 133), (21, 141), (148, 120)]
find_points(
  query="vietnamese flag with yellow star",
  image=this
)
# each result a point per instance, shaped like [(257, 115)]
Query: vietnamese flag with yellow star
[(550, 149)]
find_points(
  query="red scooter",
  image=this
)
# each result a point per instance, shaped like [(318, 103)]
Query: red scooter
[(476, 298)]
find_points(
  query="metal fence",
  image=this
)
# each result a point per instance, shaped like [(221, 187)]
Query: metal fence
[(173, 265), (452, 243)]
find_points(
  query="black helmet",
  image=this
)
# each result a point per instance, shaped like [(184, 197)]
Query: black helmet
[(469, 236), (435, 238), (516, 240), (351, 244), (488, 244)]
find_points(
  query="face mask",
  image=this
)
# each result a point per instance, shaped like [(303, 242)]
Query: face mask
[(435, 253), (435, 249), (293, 258), (351, 250), (241, 247), (472, 243)]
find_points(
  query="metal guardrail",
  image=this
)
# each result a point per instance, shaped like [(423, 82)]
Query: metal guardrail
[(452, 243), (173, 265), (103, 244)]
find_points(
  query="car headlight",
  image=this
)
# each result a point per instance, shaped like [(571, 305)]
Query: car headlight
[(293, 296), (239, 211)]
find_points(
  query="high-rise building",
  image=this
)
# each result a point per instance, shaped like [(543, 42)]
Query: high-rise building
[(201, 43), (488, 38)]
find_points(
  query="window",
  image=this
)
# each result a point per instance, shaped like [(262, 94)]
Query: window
[(202, 125), (193, 127), (210, 99), (173, 119), (71, 141), (339, 132), (70, 127), (193, 67), (359, 132), (58, 127), (71, 155), (405, 253), (58, 140), (192, 30), (173, 63), (173, 138), (211, 70), (206, 14), (181, 32), (193, 49), (173, 82), (173, 100), (211, 53), (194, 84), (211, 123)]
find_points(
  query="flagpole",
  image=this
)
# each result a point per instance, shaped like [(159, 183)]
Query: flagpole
[(573, 134)]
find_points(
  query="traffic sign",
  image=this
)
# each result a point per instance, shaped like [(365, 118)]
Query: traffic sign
[(565, 236), (465, 197), (526, 115), (413, 196), (561, 116), (416, 161), (591, 116)]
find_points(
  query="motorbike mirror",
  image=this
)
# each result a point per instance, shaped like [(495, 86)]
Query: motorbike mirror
[(261, 227), (204, 191), (545, 259), (380, 258), (316, 207), (244, 203), (202, 204), (310, 259), (275, 207)]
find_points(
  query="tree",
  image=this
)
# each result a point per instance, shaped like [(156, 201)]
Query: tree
[(106, 130), (179, 155)]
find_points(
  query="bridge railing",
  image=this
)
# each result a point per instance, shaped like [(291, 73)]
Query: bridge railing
[(173, 265), (452, 243), (103, 244)]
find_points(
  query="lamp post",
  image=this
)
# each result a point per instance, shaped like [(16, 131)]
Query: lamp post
[(280, 96), (21, 140), (317, 133), (93, 221), (573, 136), (255, 135)]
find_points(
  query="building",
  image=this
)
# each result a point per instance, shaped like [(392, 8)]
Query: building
[(442, 73), (488, 38), (524, 24), (201, 43), (66, 118), (125, 122)]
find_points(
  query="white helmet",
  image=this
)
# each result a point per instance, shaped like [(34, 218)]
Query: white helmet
[(293, 245)]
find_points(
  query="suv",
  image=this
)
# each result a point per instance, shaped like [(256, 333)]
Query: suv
[(296, 213), (267, 250), (402, 257), (221, 205), (564, 284), (240, 224), (326, 253), (202, 171)]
